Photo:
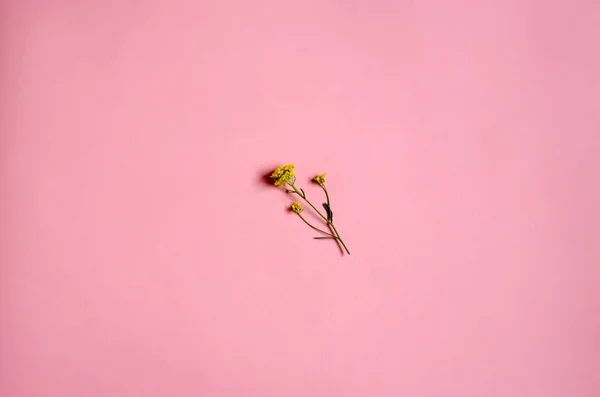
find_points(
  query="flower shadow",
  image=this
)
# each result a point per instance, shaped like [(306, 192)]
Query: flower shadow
[(264, 176)]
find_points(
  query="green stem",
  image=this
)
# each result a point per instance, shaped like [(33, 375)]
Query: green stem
[(329, 223), (339, 238), (326, 193), (329, 213), (316, 228), (308, 202)]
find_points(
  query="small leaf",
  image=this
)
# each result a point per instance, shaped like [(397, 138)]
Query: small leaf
[(329, 212)]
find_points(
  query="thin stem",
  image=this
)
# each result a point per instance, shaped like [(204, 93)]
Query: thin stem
[(309, 203), (330, 221), (326, 193), (316, 228), (339, 238)]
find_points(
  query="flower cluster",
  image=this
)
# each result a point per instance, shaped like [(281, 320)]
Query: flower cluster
[(285, 177), (283, 174)]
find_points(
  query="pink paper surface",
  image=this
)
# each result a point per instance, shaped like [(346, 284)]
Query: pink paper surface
[(142, 254)]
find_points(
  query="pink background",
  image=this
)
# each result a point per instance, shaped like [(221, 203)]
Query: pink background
[(142, 255)]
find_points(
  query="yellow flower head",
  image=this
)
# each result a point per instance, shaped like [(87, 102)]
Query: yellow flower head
[(320, 179), (297, 208), (283, 174)]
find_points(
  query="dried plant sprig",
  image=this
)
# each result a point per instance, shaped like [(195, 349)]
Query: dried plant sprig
[(297, 208), (285, 177)]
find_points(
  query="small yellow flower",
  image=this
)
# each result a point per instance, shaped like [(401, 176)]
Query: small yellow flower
[(320, 179), (283, 174), (297, 208)]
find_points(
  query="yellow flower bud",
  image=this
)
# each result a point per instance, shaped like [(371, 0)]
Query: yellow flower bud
[(320, 179), (297, 208)]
